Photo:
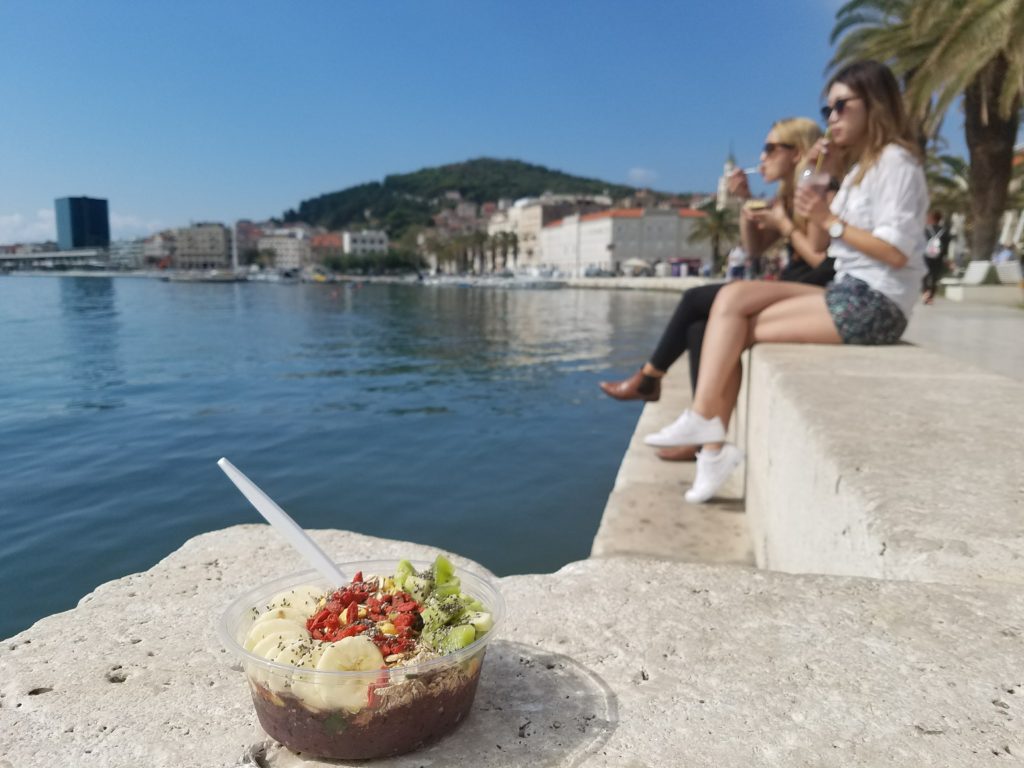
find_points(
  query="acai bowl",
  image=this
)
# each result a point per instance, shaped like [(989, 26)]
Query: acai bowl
[(378, 666)]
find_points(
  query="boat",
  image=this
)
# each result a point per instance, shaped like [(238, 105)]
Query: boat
[(210, 276)]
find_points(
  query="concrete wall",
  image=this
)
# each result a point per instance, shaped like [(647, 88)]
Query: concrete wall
[(888, 462)]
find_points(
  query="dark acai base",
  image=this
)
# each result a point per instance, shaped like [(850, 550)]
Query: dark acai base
[(402, 717)]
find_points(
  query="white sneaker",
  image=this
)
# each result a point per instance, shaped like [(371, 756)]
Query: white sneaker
[(713, 469), (689, 429)]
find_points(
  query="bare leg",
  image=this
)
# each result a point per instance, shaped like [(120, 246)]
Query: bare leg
[(689, 452), (749, 312)]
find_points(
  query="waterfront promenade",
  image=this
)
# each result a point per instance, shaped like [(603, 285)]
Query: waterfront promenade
[(909, 655)]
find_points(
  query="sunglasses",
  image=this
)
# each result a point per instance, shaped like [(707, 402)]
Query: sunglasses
[(837, 107), (771, 146)]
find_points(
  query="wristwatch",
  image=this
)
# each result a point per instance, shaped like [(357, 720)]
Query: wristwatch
[(836, 228)]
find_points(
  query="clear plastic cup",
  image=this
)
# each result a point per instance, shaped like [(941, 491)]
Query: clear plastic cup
[(817, 181), (359, 715)]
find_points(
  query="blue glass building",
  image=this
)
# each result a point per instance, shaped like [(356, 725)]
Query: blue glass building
[(82, 222)]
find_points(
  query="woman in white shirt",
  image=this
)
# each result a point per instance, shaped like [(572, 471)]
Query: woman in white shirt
[(876, 222)]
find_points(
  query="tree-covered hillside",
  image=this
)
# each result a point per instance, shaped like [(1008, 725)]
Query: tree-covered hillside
[(409, 199)]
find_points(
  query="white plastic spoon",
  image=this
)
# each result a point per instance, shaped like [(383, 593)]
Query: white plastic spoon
[(284, 524)]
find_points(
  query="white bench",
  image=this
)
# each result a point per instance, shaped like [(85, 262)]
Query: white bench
[(978, 273), (1009, 273), (986, 283)]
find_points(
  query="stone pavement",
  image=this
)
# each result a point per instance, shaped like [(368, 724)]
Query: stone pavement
[(614, 661), (985, 335), (646, 513)]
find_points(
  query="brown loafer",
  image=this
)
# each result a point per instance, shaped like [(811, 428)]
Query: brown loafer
[(639, 386), (679, 453)]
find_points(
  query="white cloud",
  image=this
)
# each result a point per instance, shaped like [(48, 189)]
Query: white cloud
[(124, 226), (641, 177), (19, 228)]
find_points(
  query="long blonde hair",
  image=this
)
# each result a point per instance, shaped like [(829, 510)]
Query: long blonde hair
[(802, 133), (887, 121)]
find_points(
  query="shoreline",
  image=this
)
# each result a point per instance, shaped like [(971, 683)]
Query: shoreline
[(679, 284)]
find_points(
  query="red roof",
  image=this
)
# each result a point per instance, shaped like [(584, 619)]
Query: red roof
[(330, 240)]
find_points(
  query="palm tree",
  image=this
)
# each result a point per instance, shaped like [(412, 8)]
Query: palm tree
[(513, 241), (493, 248), (948, 183), (503, 244), (478, 241), (944, 49), (718, 225)]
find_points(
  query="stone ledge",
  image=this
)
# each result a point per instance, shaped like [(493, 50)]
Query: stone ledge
[(889, 462), (679, 284), (646, 513), (610, 662)]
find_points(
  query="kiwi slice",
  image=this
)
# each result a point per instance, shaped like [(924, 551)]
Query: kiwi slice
[(452, 587), (481, 621), (418, 586), (444, 571), (403, 571), (458, 637)]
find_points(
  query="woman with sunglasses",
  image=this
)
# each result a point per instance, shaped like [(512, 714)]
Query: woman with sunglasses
[(876, 222), (782, 160)]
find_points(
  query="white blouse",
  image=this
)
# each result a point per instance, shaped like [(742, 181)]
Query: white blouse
[(891, 203)]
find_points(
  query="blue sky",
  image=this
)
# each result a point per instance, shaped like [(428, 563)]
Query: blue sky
[(217, 110)]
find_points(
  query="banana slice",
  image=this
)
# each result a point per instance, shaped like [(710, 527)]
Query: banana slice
[(302, 599), (291, 614), (272, 627), (350, 654), (271, 645), (301, 653)]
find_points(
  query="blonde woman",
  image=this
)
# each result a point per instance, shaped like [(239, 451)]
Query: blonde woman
[(783, 158), (876, 223)]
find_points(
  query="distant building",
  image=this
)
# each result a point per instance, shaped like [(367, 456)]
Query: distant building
[(606, 240), (527, 217), (203, 246), (127, 254), (460, 220), (290, 252), (364, 243), (723, 199), (158, 250), (326, 246), (82, 222), (247, 234)]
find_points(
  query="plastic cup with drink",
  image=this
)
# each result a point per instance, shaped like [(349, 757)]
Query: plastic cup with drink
[(814, 178)]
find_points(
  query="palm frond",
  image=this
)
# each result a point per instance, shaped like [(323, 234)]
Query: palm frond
[(962, 48), (851, 20)]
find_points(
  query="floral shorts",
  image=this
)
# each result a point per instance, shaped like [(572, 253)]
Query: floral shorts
[(863, 315)]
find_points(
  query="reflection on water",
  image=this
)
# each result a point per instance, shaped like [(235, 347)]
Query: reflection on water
[(91, 328), (438, 329), (467, 419)]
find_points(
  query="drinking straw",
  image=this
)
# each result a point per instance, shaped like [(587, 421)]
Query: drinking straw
[(283, 523), (821, 155)]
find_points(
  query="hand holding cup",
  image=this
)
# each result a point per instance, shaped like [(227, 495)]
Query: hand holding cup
[(809, 199)]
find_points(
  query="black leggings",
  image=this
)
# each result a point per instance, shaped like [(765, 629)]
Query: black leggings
[(934, 274), (685, 331)]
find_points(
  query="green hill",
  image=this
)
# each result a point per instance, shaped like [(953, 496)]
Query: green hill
[(410, 199)]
